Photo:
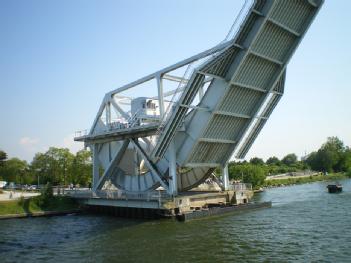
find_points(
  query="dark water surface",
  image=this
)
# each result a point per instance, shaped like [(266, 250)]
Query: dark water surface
[(305, 224)]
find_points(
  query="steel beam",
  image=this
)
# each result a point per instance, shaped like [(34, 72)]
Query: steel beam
[(173, 67), (96, 163), (225, 176), (215, 140), (232, 114), (173, 169), (113, 164), (175, 78), (119, 109), (150, 165), (160, 95)]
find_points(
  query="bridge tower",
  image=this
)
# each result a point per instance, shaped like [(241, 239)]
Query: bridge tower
[(174, 127)]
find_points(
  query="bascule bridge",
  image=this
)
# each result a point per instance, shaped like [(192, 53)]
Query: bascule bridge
[(166, 133)]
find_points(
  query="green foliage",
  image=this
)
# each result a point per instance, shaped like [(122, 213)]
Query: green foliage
[(256, 161), (273, 161), (21, 201), (54, 166), (3, 157), (59, 166), (333, 156), (46, 195), (248, 173), (303, 180), (14, 170), (348, 173), (81, 168), (290, 159), (30, 205)]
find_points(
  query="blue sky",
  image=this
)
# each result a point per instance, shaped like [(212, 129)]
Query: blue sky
[(58, 59)]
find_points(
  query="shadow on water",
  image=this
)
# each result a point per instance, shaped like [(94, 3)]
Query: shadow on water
[(27, 236)]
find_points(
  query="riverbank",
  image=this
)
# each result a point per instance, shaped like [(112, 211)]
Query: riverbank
[(304, 180), (30, 207), (16, 195)]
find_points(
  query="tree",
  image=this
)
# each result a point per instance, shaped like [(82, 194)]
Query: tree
[(256, 161), (46, 195), (273, 161), (54, 166), (289, 159), (14, 170), (345, 160), (248, 173), (81, 168), (40, 167), (334, 144), (3, 157), (334, 148), (332, 156)]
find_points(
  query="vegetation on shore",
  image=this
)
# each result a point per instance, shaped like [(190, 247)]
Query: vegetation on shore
[(332, 157), (57, 166), (304, 180), (30, 205), (44, 202), (60, 167)]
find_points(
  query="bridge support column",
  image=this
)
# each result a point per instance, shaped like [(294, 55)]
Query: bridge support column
[(225, 176), (96, 175), (172, 169)]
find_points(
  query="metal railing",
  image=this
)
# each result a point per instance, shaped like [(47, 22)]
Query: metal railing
[(81, 133), (118, 195)]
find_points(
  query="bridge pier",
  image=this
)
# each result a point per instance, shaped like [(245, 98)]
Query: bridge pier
[(96, 172), (172, 169), (225, 177)]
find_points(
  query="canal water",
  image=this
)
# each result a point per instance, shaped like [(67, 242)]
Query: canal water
[(305, 224)]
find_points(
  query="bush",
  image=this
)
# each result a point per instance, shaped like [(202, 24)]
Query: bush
[(21, 201), (248, 173), (46, 195), (348, 173)]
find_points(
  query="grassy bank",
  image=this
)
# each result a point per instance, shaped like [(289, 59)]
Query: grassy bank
[(304, 180), (31, 205)]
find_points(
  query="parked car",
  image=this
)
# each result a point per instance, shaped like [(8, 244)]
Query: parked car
[(10, 185), (3, 184)]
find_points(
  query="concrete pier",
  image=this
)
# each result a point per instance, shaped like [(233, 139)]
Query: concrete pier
[(159, 203)]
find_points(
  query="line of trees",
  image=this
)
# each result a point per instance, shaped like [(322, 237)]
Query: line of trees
[(332, 156), (57, 166), (256, 170)]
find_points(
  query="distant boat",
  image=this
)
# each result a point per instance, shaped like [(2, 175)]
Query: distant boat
[(334, 188)]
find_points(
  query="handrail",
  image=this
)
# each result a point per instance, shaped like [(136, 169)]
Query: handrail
[(80, 133), (118, 194)]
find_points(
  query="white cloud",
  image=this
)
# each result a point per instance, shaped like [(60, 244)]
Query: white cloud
[(28, 142), (29, 145)]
